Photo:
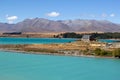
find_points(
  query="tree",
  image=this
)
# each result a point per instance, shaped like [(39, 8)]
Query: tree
[(97, 51), (116, 53)]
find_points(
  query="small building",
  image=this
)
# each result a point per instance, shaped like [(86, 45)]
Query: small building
[(85, 38)]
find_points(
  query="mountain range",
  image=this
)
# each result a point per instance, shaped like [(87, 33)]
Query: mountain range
[(45, 25)]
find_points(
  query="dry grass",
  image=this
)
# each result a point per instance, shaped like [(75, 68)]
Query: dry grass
[(53, 48), (79, 45)]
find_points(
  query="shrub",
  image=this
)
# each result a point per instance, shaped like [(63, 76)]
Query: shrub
[(116, 53), (99, 52)]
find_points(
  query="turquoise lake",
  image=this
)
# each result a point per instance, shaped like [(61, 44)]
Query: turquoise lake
[(108, 40), (20, 66), (14, 66), (10, 40)]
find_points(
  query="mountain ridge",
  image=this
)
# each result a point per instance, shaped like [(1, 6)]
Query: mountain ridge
[(45, 25)]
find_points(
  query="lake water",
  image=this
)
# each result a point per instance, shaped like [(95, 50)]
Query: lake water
[(11, 40), (8, 40), (108, 40), (19, 66), (14, 66)]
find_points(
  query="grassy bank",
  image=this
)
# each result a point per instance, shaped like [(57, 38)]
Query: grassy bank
[(77, 48)]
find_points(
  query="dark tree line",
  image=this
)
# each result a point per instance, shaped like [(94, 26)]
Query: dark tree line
[(69, 35), (106, 35), (93, 35)]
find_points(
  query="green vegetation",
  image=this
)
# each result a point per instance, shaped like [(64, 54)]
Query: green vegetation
[(69, 35), (100, 52), (116, 53), (93, 35), (105, 35)]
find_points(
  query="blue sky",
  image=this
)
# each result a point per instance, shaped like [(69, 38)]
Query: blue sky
[(13, 11)]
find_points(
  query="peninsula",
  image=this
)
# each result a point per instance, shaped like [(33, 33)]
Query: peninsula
[(77, 48)]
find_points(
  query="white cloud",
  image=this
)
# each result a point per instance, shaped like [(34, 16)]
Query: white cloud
[(53, 14), (112, 15), (104, 15), (11, 19)]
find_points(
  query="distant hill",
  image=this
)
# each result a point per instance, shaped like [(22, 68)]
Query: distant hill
[(5, 27), (45, 25), (92, 25)]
